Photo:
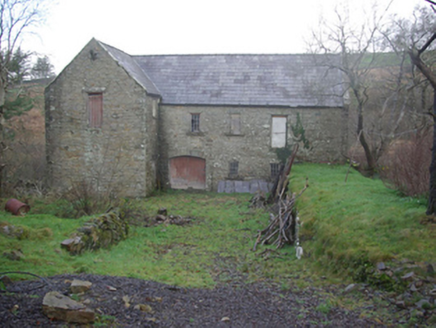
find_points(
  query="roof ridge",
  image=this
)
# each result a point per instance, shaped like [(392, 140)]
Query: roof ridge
[(108, 45), (134, 72), (227, 54)]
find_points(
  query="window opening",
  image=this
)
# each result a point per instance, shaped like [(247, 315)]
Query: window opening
[(233, 169), (275, 170), (154, 108), (278, 132), (235, 123), (95, 110), (195, 122)]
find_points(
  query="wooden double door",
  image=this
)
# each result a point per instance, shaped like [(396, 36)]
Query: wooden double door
[(187, 172)]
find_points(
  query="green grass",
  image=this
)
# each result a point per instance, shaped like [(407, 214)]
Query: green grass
[(360, 220), (344, 225), (216, 247)]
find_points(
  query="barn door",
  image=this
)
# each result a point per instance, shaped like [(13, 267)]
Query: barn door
[(187, 172)]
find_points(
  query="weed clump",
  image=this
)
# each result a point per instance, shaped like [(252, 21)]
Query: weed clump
[(364, 271)]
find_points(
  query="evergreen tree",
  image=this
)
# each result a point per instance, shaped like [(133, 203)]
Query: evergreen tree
[(42, 69)]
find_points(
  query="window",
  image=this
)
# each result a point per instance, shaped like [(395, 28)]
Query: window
[(278, 132), (195, 122), (275, 170), (233, 169), (235, 124), (95, 109), (154, 108)]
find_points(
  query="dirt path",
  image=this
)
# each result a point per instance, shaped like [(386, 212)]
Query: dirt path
[(255, 305)]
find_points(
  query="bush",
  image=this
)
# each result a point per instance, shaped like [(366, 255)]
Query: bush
[(85, 199), (24, 170), (406, 164)]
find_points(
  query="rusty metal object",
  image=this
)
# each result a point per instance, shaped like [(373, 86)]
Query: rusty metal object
[(16, 207)]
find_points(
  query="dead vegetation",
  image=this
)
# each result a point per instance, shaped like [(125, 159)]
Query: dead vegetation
[(284, 222), (139, 218)]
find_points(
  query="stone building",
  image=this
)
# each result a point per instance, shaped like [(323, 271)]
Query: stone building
[(130, 123)]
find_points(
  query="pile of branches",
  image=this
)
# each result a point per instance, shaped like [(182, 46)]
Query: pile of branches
[(283, 226)]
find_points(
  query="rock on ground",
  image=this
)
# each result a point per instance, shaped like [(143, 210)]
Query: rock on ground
[(134, 302)]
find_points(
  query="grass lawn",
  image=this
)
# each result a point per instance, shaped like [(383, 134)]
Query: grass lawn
[(359, 220), (215, 248), (343, 223)]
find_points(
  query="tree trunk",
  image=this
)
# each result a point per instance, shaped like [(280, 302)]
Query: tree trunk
[(2, 140), (368, 154), (431, 209), (431, 77)]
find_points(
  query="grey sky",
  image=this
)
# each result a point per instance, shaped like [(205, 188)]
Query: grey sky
[(188, 26)]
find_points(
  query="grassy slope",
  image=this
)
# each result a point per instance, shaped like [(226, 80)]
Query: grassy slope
[(342, 223), (360, 219)]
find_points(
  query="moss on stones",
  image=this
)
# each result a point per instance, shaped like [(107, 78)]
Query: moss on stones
[(100, 232)]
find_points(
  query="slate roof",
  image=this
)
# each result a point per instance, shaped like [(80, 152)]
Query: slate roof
[(132, 68), (248, 80)]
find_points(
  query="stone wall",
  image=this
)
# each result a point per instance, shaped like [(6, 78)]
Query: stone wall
[(139, 135), (100, 232), (115, 157), (324, 129), (152, 143)]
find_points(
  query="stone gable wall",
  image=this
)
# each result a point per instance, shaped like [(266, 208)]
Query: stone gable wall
[(325, 130), (113, 157)]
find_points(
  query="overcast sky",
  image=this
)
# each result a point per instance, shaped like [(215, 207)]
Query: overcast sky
[(141, 27)]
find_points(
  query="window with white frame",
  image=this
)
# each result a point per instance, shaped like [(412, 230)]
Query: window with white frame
[(278, 131)]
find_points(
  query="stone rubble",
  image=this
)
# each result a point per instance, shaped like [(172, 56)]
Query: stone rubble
[(57, 306), (80, 286), (100, 232)]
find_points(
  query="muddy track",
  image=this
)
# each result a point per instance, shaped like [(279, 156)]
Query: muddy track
[(238, 305)]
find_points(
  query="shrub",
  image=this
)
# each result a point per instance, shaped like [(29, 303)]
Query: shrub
[(85, 199), (406, 164), (24, 170)]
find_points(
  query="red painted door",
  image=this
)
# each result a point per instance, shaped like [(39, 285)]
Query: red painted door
[(187, 172)]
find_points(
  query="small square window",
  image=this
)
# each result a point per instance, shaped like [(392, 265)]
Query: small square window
[(195, 122), (275, 169), (233, 169)]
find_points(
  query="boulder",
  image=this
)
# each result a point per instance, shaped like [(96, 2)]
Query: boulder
[(73, 245), (79, 286), (57, 306)]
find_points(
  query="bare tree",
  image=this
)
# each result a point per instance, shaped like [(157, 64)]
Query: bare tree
[(358, 44), (422, 39), (16, 18)]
